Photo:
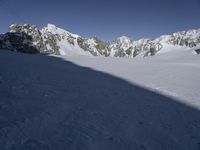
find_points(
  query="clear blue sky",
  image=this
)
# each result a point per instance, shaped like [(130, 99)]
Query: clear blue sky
[(106, 19)]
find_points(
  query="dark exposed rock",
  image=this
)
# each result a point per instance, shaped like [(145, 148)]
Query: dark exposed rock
[(23, 38), (50, 41), (32, 32), (101, 46), (94, 45), (128, 51), (197, 51), (125, 47), (18, 41), (80, 42), (185, 38)]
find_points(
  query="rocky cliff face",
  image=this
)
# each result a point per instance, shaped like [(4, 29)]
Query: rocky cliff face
[(95, 46), (59, 41), (190, 38), (23, 38), (126, 47), (54, 40)]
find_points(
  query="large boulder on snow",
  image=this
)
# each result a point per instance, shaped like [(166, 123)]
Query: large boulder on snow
[(197, 51)]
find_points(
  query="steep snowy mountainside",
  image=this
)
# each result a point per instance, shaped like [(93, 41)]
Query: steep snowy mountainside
[(68, 43), (121, 44), (55, 30), (94, 45), (50, 39), (150, 47), (54, 40), (64, 42)]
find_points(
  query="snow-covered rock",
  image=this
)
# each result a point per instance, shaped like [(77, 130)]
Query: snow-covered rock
[(126, 47), (22, 38), (66, 43), (121, 47), (54, 40)]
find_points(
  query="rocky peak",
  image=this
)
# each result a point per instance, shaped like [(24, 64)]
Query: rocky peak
[(54, 40), (189, 38), (28, 29), (121, 47), (51, 26), (23, 38), (101, 46), (123, 39), (56, 30)]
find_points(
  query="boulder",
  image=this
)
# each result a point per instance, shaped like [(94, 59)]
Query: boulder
[(197, 51)]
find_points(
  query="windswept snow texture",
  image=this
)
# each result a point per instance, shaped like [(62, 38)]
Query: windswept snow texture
[(64, 103)]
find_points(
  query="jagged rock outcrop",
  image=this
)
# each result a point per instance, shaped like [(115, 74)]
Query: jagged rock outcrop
[(54, 40), (121, 47), (197, 51), (18, 41), (190, 38), (23, 38), (94, 45), (63, 42), (125, 47), (33, 32), (50, 41)]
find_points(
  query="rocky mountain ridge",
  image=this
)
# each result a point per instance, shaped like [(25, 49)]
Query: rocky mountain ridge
[(51, 39)]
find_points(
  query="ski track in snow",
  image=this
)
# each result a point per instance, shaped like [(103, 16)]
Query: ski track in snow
[(95, 103)]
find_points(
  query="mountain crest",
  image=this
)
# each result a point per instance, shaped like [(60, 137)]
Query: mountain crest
[(54, 40)]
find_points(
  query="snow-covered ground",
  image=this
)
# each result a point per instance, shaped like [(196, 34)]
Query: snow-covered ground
[(95, 103), (172, 72)]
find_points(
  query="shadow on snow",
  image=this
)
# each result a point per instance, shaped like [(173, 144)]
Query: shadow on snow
[(47, 103)]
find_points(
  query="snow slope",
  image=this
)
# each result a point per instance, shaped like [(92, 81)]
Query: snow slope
[(174, 72), (95, 103), (53, 40), (62, 40)]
